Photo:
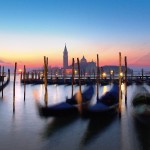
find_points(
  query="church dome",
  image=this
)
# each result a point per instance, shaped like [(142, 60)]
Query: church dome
[(83, 60)]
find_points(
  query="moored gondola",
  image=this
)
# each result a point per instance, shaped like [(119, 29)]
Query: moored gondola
[(64, 109), (83, 98), (141, 105), (107, 105), (61, 109)]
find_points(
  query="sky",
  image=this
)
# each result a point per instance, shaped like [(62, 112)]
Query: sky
[(32, 29)]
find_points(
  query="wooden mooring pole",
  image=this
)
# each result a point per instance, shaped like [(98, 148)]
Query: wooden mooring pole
[(80, 108), (79, 74), (142, 74), (9, 74), (125, 59), (2, 80), (97, 77), (24, 81), (0, 70), (45, 72), (120, 78), (45, 79), (14, 79), (0, 76), (72, 75), (14, 87), (21, 76)]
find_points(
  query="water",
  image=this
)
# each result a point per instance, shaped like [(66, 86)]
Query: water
[(25, 129)]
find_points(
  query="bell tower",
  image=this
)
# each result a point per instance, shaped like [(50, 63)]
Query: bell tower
[(65, 58)]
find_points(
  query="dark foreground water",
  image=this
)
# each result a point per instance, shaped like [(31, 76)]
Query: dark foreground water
[(24, 129)]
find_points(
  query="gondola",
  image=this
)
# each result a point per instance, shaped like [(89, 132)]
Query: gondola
[(64, 109), (82, 98), (61, 109), (107, 105), (4, 84), (141, 105)]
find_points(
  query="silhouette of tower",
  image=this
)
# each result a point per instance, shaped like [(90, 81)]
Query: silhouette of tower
[(65, 58)]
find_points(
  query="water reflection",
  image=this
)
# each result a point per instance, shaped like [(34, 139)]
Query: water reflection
[(143, 134), (105, 89), (13, 105), (56, 125), (46, 98), (27, 130), (95, 127)]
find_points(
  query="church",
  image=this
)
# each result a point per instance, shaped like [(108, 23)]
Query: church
[(85, 66)]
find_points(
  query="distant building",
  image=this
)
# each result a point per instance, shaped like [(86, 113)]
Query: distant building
[(83, 61), (65, 58), (85, 67)]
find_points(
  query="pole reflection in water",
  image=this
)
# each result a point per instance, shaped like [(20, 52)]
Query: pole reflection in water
[(128, 138), (79, 101), (13, 104), (46, 98)]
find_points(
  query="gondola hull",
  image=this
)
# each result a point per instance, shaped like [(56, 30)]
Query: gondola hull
[(59, 110), (82, 98), (141, 106), (107, 105)]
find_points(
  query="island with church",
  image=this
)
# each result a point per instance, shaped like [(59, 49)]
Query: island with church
[(88, 73), (87, 68)]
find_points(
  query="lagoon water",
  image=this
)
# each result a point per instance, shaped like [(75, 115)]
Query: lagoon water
[(25, 129)]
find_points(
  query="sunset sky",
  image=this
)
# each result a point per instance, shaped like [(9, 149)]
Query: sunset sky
[(32, 29)]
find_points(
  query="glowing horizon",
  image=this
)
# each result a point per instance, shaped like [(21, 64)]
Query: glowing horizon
[(33, 52)]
